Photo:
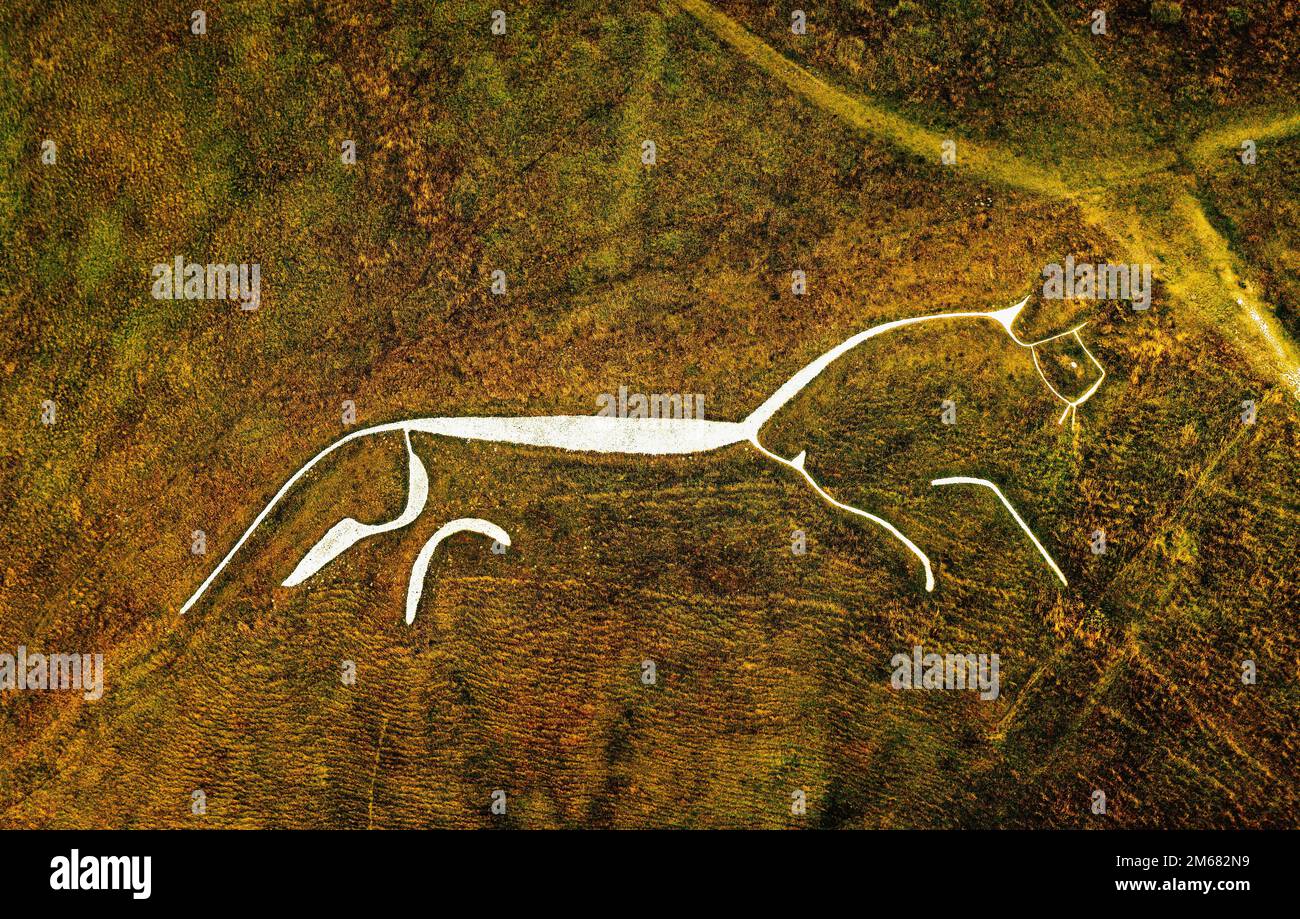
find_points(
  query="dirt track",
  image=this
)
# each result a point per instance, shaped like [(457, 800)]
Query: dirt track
[(1202, 270)]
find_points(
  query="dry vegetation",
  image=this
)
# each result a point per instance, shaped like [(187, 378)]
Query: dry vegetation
[(522, 670)]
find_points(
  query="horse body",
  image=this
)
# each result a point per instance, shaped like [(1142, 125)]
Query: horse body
[(618, 435), (591, 433)]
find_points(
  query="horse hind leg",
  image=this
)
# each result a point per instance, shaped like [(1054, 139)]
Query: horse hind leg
[(421, 567), (347, 532)]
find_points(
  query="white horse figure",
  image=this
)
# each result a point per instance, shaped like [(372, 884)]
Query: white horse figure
[(641, 436)]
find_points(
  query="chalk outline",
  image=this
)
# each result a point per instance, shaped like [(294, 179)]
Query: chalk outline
[(969, 480), (644, 436)]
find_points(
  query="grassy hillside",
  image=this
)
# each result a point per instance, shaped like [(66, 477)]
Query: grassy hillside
[(523, 671)]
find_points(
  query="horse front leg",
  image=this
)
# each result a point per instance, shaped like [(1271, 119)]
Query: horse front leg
[(799, 465), (969, 480)]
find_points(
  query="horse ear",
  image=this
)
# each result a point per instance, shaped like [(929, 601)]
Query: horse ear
[(1041, 317)]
